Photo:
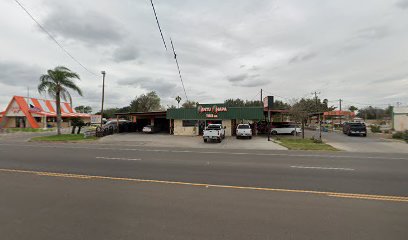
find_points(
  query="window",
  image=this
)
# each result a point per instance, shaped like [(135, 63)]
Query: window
[(189, 123)]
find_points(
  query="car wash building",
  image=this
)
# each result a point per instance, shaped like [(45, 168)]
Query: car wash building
[(25, 112), (192, 121)]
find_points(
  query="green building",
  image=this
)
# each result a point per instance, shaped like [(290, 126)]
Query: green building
[(192, 121)]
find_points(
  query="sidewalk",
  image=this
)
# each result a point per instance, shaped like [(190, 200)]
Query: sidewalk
[(165, 140)]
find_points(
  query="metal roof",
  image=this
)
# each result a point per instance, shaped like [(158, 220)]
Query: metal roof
[(249, 113)]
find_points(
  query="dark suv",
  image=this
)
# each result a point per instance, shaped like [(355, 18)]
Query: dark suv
[(355, 128)]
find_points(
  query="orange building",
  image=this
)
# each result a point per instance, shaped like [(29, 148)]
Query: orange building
[(24, 112)]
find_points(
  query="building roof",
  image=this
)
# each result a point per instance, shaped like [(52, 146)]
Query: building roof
[(400, 110), (45, 107), (249, 113)]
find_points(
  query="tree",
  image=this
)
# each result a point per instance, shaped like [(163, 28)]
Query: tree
[(56, 83), (234, 102), (83, 109), (279, 105), (374, 112), (352, 108), (146, 103), (189, 104)]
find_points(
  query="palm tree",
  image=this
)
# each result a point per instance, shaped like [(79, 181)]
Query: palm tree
[(56, 83)]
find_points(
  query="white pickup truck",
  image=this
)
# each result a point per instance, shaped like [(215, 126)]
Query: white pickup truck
[(214, 132), (244, 130)]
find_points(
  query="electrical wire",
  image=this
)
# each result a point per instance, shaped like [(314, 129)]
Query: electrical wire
[(158, 25), (178, 67), (52, 38)]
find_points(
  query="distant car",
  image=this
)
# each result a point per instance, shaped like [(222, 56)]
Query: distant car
[(286, 128), (244, 130), (114, 123), (150, 129), (355, 128)]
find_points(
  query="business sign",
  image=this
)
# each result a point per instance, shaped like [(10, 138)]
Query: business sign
[(268, 102), (211, 112), (96, 118)]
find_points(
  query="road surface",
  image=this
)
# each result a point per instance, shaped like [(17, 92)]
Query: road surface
[(106, 191)]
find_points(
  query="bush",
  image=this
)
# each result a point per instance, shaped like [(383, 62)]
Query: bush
[(398, 135), (401, 135), (375, 129), (315, 140)]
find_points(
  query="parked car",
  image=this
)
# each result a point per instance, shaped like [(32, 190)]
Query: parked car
[(244, 130), (214, 132), (355, 128), (285, 128), (150, 129), (114, 124)]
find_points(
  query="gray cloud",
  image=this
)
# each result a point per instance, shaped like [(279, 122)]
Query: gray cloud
[(402, 4), (372, 33), (162, 87), (125, 53), (302, 57), (89, 27), (19, 74), (238, 78), (247, 80)]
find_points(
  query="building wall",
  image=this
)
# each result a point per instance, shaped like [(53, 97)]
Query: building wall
[(227, 124), (10, 122), (184, 131), (401, 122)]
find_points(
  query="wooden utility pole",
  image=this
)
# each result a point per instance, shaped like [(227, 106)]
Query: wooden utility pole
[(340, 100), (103, 95), (318, 113)]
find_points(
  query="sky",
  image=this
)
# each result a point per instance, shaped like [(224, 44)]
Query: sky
[(343, 49)]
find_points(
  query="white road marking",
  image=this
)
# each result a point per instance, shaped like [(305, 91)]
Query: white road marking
[(126, 159), (324, 168), (203, 152)]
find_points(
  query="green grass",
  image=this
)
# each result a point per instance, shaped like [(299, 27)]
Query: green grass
[(12, 130), (305, 144), (64, 138)]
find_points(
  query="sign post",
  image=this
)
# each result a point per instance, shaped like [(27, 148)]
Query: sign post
[(268, 104)]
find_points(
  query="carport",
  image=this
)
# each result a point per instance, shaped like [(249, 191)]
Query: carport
[(141, 119)]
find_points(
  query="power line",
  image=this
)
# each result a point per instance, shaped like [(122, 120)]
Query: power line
[(158, 25), (178, 67), (52, 37)]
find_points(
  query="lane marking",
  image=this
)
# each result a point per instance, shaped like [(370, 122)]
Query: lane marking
[(206, 152), (329, 194), (116, 158), (324, 168)]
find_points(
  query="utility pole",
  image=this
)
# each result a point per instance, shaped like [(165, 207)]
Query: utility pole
[(318, 112), (103, 94), (340, 100), (261, 97)]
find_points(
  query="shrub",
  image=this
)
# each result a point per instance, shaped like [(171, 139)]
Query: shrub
[(398, 135), (375, 129), (401, 135)]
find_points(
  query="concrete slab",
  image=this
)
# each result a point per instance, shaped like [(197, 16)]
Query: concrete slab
[(165, 140)]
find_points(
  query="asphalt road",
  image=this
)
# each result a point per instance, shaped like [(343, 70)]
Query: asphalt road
[(97, 191)]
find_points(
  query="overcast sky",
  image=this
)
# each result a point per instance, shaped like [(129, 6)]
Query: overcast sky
[(354, 50)]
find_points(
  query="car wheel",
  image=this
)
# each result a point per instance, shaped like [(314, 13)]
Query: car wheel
[(364, 135), (205, 140), (219, 140), (348, 133), (237, 137), (274, 132), (250, 137), (293, 133)]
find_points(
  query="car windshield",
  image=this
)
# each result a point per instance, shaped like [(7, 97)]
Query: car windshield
[(243, 127)]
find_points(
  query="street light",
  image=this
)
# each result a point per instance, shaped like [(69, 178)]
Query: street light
[(103, 94)]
